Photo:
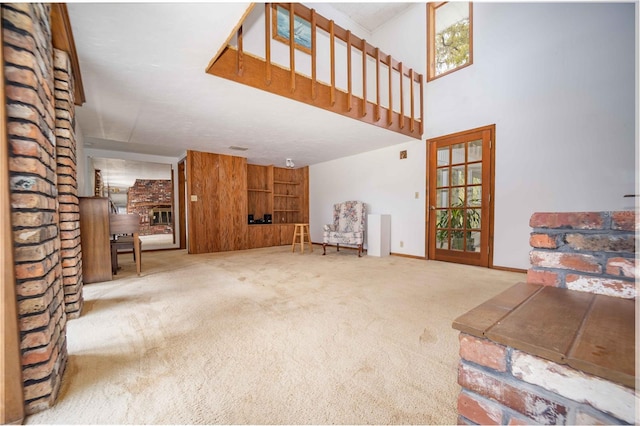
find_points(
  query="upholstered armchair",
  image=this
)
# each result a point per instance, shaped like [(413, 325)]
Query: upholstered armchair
[(347, 227)]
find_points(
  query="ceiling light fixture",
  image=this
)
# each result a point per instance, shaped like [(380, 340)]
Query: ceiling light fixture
[(289, 163)]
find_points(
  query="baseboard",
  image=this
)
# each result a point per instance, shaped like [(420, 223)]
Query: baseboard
[(409, 256), (506, 269)]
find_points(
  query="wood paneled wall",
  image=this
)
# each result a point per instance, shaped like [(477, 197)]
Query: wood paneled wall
[(217, 202)]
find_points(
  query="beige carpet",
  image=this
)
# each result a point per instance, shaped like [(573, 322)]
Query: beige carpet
[(266, 336)]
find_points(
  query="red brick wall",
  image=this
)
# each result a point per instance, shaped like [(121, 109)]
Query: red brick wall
[(592, 252), (502, 385), (67, 185), (33, 125), (144, 195)]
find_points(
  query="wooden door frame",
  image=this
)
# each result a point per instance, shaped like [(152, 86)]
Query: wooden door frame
[(11, 392), (492, 155), (182, 203)]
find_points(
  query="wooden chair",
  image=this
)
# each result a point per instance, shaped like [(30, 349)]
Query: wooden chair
[(124, 230)]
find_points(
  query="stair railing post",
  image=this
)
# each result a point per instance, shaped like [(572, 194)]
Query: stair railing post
[(267, 42)]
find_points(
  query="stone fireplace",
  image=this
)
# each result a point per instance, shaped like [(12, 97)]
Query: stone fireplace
[(559, 349)]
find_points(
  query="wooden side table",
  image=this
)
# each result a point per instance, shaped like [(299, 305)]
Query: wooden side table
[(300, 230)]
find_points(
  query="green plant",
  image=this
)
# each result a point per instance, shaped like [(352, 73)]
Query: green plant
[(453, 220)]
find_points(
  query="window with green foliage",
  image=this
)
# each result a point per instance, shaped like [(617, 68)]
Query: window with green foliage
[(450, 37)]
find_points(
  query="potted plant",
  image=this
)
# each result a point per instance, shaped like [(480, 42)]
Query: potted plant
[(455, 222)]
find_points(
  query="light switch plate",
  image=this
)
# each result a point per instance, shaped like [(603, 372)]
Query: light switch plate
[(194, 198)]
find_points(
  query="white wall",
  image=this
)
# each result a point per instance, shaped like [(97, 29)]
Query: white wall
[(384, 182), (558, 82)]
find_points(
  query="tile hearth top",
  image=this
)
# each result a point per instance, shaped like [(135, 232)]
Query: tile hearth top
[(589, 332)]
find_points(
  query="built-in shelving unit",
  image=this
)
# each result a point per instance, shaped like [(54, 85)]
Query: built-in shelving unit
[(282, 193)]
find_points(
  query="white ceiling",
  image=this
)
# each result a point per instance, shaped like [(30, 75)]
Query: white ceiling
[(143, 69)]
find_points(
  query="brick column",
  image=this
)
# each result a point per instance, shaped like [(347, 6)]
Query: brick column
[(32, 164), (71, 255)]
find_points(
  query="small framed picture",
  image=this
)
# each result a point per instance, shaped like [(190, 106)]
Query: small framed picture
[(301, 29), (403, 154)]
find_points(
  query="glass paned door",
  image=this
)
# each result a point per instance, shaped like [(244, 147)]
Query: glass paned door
[(459, 201)]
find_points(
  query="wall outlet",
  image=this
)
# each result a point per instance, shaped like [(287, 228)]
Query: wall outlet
[(417, 195), (401, 243)]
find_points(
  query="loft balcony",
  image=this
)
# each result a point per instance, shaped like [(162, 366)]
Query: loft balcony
[(327, 67)]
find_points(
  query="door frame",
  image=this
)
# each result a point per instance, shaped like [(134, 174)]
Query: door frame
[(428, 216), (182, 204)]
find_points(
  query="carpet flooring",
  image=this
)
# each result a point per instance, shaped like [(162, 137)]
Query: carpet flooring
[(267, 336)]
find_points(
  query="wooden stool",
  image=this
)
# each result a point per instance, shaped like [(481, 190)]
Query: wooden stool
[(300, 230)]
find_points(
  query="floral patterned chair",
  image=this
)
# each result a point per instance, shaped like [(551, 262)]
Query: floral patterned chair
[(347, 227)]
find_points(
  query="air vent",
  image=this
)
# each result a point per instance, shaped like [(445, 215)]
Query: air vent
[(238, 148)]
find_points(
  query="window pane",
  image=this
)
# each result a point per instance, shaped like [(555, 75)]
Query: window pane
[(442, 237), (474, 174), (457, 197), (457, 154), (442, 198), (475, 150), (443, 156), (473, 241), (451, 36), (473, 218), (442, 178), (474, 196), (457, 175)]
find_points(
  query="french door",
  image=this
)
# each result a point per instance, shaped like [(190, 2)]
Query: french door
[(460, 208)]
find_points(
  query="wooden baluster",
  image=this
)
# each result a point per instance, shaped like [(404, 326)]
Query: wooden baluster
[(332, 41), (364, 77), (267, 42), (412, 122), (292, 42), (349, 89), (377, 84), (240, 56), (401, 69), (314, 80), (390, 112), (421, 105)]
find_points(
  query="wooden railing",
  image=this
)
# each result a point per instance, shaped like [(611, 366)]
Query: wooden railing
[(235, 64)]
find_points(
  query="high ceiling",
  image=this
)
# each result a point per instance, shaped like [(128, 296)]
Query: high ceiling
[(143, 69)]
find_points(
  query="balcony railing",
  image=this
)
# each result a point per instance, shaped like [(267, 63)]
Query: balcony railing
[(335, 70)]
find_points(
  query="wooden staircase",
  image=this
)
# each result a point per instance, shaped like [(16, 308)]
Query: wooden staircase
[(398, 112)]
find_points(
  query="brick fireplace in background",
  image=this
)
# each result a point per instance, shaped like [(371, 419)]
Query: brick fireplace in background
[(152, 199), (559, 349)]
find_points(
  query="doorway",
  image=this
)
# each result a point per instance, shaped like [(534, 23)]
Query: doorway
[(460, 187)]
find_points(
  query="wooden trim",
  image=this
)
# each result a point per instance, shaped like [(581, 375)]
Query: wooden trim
[(507, 269), (409, 256), (314, 57), (292, 47), (182, 184), (240, 52), (332, 49), (62, 39), (234, 31), (11, 392), (364, 78), (377, 84), (349, 85), (390, 111), (413, 120), (401, 96), (267, 42), (431, 44), (421, 105)]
